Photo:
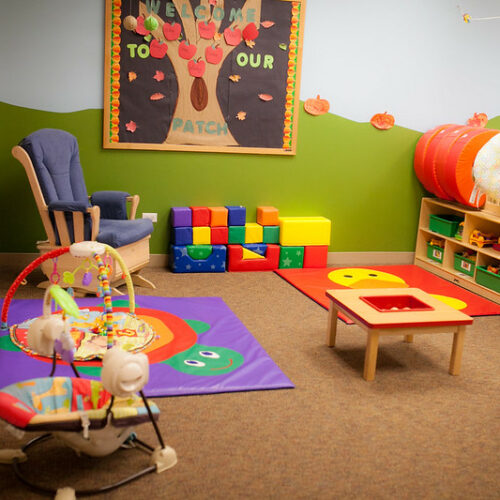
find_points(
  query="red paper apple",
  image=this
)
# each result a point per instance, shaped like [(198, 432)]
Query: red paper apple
[(250, 32), (157, 49), (140, 29), (172, 31), (196, 68), (232, 36), (187, 50), (213, 55), (206, 30)]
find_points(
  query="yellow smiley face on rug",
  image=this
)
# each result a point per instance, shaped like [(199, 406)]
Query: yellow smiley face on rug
[(358, 277)]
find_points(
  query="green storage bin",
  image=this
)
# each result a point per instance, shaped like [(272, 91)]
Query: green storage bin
[(464, 265), (435, 253), (447, 225), (488, 279)]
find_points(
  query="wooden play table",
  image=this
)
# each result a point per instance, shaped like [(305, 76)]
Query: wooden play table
[(396, 311)]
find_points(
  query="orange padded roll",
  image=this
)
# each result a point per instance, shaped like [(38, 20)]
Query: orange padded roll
[(458, 166), (441, 157), (420, 153), (430, 161)]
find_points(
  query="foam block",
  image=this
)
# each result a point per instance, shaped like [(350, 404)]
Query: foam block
[(268, 216), (291, 257), (181, 262), (315, 256), (201, 236), (253, 232), (236, 215), (218, 216), (236, 235), (181, 216), (302, 231), (235, 261), (219, 235), (271, 234), (201, 216), (182, 235)]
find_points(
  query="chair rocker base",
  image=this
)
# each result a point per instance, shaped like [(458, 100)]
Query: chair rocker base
[(68, 271)]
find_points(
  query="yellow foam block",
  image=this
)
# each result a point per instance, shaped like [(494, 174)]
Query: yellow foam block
[(254, 233), (201, 235), (248, 254), (303, 231)]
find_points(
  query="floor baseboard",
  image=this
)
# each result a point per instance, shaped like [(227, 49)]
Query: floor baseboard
[(21, 260)]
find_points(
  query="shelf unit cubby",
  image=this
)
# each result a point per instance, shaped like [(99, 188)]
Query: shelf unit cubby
[(484, 220)]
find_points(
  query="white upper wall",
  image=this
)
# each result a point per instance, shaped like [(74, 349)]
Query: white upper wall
[(418, 60)]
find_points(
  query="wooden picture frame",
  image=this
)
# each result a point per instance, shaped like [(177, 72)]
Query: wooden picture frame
[(207, 76)]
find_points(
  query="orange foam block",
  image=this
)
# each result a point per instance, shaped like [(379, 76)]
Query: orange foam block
[(268, 216), (218, 216)]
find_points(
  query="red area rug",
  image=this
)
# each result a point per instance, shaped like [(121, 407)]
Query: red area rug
[(314, 283)]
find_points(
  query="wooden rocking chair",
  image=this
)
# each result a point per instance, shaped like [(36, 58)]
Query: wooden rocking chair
[(51, 160)]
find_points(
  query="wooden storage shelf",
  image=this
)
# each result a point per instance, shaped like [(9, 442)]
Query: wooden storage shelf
[(473, 219)]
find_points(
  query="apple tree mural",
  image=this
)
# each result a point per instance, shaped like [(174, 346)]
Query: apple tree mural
[(206, 75)]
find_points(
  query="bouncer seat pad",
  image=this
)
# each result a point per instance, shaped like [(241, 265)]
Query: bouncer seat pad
[(58, 403)]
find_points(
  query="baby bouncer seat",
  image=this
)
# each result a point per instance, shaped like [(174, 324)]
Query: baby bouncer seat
[(93, 417)]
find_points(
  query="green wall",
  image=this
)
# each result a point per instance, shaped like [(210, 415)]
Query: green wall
[(359, 177)]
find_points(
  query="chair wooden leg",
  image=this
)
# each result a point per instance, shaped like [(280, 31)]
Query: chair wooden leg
[(139, 280)]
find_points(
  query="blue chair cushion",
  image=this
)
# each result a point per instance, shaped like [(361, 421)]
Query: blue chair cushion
[(117, 233), (55, 157), (113, 204)]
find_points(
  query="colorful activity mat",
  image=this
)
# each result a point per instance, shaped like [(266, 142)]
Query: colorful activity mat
[(314, 283), (199, 347)]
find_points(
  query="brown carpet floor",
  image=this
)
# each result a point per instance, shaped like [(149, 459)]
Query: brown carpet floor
[(416, 432)]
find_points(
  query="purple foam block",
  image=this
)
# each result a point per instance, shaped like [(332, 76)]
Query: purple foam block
[(181, 216)]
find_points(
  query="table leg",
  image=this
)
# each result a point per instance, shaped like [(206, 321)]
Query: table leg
[(332, 325), (371, 355), (456, 351)]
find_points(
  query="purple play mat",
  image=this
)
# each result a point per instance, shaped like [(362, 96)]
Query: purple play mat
[(201, 348)]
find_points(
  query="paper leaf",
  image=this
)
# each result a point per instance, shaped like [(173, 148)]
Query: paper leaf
[(283, 46), (267, 24), (159, 76), (265, 97), (217, 36), (250, 43), (131, 126), (157, 96), (132, 75), (235, 78), (241, 115)]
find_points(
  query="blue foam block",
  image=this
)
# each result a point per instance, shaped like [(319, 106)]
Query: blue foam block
[(181, 262), (236, 216), (182, 235)]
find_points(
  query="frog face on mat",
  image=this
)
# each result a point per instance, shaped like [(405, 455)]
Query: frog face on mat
[(206, 360)]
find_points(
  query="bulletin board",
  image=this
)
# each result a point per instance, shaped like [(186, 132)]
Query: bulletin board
[(203, 75)]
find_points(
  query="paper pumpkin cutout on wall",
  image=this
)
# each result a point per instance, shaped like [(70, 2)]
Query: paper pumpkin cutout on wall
[(316, 106), (382, 121)]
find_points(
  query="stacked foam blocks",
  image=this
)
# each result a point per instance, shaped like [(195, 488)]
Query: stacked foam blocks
[(444, 162), (216, 239)]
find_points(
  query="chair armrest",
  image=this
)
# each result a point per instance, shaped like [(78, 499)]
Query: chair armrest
[(134, 203), (95, 217)]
